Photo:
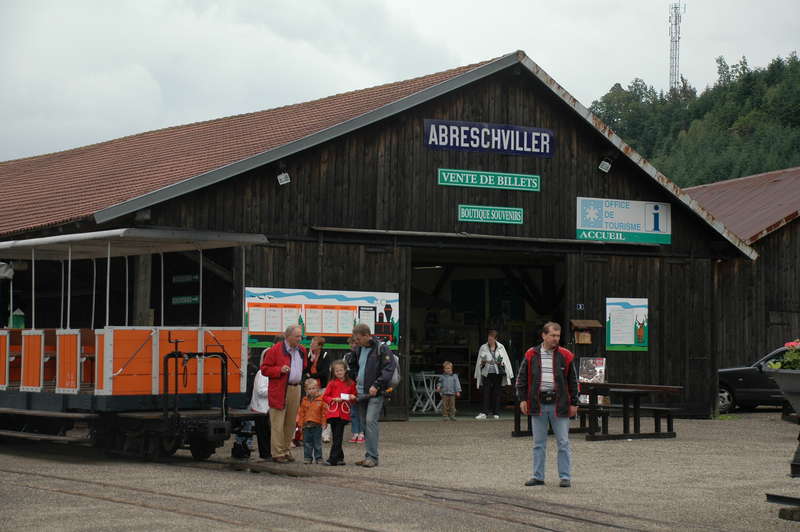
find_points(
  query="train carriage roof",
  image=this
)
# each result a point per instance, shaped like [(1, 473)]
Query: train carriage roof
[(122, 243)]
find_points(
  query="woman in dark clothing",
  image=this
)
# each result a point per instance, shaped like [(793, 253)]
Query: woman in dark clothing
[(319, 364)]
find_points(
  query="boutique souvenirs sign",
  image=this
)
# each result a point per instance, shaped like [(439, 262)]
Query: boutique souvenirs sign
[(612, 220), (489, 214), (498, 138)]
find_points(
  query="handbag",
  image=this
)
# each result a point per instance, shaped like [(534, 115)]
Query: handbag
[(501, 370)]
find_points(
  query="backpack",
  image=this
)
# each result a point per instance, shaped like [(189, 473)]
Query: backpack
[(395, 380)]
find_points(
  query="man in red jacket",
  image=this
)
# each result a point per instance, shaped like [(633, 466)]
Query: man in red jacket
[(284, 365), (547, 389)]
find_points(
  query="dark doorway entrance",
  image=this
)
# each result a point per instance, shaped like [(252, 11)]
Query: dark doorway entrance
[(456, 296)]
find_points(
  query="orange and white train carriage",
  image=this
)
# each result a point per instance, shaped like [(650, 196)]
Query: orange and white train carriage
[(134, 389)]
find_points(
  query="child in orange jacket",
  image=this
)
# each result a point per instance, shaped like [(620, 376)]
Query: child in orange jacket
[(339, 395), (311, 416)]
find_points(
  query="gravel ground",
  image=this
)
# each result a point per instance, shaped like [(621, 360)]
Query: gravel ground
[(713, 476)]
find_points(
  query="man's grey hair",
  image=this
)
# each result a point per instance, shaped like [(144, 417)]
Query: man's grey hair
[(362, 329), (290, 329), (550, 326)]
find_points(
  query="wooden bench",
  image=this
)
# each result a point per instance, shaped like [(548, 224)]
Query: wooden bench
[(660, 412), (603, 412), (584, 411)]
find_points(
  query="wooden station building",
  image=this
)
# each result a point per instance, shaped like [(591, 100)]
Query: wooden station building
[(486, 196)]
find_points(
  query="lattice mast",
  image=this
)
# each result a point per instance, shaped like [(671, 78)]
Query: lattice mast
[(675, 10)]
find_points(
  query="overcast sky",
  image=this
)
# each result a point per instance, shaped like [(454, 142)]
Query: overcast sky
[(79, 71)]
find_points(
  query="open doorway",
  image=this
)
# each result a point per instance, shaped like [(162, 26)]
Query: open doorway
[(457, 296)]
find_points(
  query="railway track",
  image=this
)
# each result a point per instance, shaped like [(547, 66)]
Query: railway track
[(525, 512), (506, 511), (247, 517)]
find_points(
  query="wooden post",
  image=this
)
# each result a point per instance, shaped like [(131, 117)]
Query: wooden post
[(143, 272)]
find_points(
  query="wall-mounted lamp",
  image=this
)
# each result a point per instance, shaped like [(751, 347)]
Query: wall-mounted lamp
[(605, 165), (284, 179)]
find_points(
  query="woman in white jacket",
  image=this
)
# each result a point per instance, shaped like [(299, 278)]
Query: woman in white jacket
[(260, 405), (492, 370)]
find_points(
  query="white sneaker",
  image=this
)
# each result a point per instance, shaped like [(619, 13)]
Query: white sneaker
[(481, 416), (496, 416)]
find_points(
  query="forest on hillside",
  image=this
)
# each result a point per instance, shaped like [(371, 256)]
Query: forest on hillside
[(748, 122)]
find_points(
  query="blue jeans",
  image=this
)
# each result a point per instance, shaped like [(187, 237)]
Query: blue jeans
[(370, 411), (355, 416), (312, 443), (561, 430)]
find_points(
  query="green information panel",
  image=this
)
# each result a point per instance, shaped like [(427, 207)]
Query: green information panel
[(627, 324), (468, 178), (615, 220), (488, 214)]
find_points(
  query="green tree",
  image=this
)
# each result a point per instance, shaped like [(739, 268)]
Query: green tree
[(747, 123)]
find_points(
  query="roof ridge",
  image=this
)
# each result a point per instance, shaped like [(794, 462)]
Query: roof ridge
[(466, 68)]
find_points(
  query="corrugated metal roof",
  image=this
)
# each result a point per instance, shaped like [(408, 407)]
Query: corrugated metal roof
[(753, 206)]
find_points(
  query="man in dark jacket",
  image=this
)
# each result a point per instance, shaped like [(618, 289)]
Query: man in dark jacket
[(372, 369), (547, 389)]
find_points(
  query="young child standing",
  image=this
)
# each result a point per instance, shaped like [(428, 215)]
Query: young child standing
[(449, 387), (311, 416), (339, 396)]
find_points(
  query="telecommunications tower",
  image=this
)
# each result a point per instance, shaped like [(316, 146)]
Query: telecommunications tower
[(674, 43)]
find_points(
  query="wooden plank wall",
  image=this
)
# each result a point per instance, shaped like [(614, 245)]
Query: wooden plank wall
[(681, 323), (383, 177), (760, 301)]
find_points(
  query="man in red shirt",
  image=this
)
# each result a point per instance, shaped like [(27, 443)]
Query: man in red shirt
[(284, 365), (547, 389)]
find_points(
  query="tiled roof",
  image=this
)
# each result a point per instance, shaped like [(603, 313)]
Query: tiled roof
[(61, 187), (753, 206), (115, 178)]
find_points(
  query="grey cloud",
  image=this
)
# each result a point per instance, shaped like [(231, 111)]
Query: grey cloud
[(82, 71)]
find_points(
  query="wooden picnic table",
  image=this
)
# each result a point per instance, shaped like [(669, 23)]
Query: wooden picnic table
[(631, 396), (594, 417)]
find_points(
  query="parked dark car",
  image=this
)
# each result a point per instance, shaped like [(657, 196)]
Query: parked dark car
[(749, 386)]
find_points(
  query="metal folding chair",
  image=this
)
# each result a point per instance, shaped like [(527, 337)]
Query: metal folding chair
[(419, 394), (431, 403)]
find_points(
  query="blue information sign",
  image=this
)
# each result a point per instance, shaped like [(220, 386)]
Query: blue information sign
[(498, 138)]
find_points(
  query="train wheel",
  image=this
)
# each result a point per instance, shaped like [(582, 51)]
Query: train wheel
[(151, 447), (201, 449), (170, 445)]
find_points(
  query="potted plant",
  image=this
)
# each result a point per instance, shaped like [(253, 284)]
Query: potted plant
[(786, 373)]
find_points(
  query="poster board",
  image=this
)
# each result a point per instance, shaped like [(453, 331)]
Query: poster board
[(328, 313), (626, 324), (592, 369)]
